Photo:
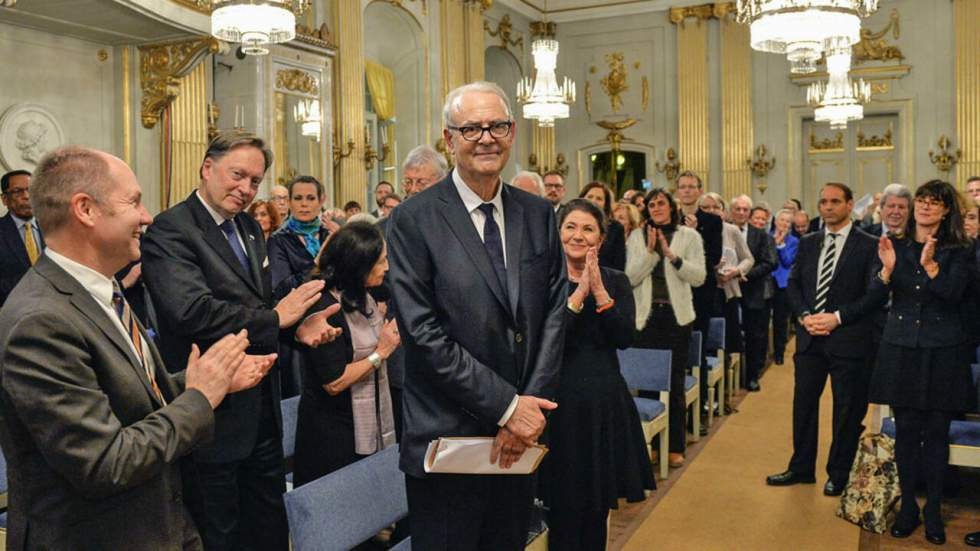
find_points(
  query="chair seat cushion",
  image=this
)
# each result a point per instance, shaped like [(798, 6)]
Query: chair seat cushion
[(888, 426), (961, 433), (3, 519), (713, 363), (404, 545), (649, 409), (690, 382)]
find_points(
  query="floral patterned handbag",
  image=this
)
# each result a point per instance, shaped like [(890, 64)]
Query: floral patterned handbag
[(872, 490)]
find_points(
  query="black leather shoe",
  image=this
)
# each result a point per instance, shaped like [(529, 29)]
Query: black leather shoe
[(788, 478), (972, 539), (753, 386), (704, 429), (900, 531), (936, 538), (833, 489), (778, 360)]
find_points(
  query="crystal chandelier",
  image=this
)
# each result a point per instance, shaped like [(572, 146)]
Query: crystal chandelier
[(255, 23), (307, 116), (543, 100), (840, 100), (803, 29)]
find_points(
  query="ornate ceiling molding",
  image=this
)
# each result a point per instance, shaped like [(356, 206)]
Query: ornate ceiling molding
[(161, 66)]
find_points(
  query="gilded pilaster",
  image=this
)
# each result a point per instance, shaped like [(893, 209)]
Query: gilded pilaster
[(736, 104), (453, 51), (475, 43), (967, 38), (543, 147), (188, 136), (127, 108), (692, 87), (351, 181)]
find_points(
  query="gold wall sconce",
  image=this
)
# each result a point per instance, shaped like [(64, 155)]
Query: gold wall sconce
[(339, 153), (761, 166), (671, 167), (945, 160)]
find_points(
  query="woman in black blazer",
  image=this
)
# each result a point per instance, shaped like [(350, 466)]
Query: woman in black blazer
[(345, 410), (612, 254), (923, 371)]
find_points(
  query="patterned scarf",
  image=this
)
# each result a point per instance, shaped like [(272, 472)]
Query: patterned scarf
[(310, 232)]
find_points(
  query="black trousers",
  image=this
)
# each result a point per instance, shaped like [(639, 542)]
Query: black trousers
[(848, 382), (662, 332), (755, 323), (708, 299), (780, 322), (243, 507), (921, 445), (468, 513), (572, 529)]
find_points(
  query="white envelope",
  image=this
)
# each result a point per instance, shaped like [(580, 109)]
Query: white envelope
[(471, 455)]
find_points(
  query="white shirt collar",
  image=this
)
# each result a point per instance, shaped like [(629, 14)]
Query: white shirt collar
[(20, 222), (841, 233), (98, 285), (471, 200), (218, 218)]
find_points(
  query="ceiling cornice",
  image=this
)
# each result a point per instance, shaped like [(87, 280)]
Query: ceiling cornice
[(591, 9)]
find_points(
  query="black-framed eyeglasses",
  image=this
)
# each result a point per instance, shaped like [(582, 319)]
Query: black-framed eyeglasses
[(474, 133)]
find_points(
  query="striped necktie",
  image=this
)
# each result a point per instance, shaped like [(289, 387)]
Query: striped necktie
[(30, 244), (826, 273), (128, 320)]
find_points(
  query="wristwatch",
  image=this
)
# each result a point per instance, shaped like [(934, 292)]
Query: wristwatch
[(375, 359)]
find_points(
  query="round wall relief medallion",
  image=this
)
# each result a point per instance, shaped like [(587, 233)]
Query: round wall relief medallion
[(27, 132)]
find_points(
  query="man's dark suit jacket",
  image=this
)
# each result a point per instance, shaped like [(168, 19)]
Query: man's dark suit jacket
[(14, 261), (759, 286), (816, 224), (470, 346), (709, 226), (93, 458), (850, 292), (201, 293)]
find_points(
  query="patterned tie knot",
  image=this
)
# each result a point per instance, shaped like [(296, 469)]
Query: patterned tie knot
[(486, 209), (228, 227), (118, 300)]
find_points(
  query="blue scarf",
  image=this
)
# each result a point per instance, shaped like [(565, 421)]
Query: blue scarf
[(310, 232)]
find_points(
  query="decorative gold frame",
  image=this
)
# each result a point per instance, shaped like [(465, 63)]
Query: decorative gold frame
[(161, 65)]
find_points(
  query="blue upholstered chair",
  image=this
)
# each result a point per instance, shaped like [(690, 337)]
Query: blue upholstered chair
[(692, 384), (715, 360), (649, 370), (290, 414)]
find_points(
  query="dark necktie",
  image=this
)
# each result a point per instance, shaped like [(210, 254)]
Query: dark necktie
[(125, 314), (826, 273), (494, 244), (228, 226)]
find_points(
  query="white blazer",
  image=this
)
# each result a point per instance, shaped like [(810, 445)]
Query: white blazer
[(686, 244)]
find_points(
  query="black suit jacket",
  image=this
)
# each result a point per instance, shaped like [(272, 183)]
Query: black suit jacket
[(14, 261), (850, 292), (816, 224), (201, 293), (759, 286), (470, 346), (612, 253), (93, 457)]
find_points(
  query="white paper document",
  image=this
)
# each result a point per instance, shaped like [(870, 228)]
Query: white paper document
[(471, 455)]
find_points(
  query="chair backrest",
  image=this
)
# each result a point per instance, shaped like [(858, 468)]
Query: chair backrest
[(290, 413), (3, 474), (716, 334), (645, 368), (346, 507), (694, 351), (976, 374)]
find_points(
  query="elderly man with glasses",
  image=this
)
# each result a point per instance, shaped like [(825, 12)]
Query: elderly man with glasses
[(423, 166)]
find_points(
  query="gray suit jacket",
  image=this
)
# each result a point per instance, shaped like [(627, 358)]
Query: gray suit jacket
[(94, 459)]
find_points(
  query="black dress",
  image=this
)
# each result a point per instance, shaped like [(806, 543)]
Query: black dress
[(598, 453), (922, 362)]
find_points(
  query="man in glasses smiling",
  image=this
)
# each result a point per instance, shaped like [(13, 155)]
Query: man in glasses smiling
[(478, 280)]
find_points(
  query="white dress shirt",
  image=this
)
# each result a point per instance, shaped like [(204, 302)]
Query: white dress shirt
[(219, 219), (472, 202), (100, 288), (838, 248), (22, 229)]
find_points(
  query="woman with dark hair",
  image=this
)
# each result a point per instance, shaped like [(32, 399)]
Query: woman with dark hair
[(267, 215), (612, 254), (923, 371), (294, 246), (345, 408), (598, 454), (664, 259)]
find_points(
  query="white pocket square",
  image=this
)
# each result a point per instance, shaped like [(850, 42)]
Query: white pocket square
[(265, 263)]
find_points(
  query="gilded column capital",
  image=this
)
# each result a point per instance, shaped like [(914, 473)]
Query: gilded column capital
[(721, 10), (161, 65), (701, 12)]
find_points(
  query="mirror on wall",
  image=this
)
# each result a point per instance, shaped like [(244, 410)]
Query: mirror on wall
[(298, 132), (620, 170)]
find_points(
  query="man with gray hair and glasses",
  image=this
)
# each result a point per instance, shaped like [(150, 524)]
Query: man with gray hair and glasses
[(478, 278), (423, 167), (530, 182), (896, 206)]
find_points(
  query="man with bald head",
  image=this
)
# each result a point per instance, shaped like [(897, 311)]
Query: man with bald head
[(93, 426), (477, 275)]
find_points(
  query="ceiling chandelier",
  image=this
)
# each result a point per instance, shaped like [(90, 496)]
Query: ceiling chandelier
[(543, 100), (803, 29), (256, 23), (840, 100)]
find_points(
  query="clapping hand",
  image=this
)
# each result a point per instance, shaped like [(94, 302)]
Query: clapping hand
[(315, 330), (780, 236), (690, 220), (664, 246), (651, 238), (252, 371), (927, 259), (886, 254), (594, 275)]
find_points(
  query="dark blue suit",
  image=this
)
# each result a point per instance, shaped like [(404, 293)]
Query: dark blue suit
[(470, 346), (14, 263)]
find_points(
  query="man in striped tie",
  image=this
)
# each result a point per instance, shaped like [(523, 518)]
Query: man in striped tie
[(828, 292), (19, 232)]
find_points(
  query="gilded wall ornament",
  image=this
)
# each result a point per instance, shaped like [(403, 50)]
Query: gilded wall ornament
[(615, 136), (560, 166), (874, 142), (588, 97), (945, 160), (826, 145), (614, 83), (297, 80), (161, 66), (646, 92), (503, 32), (318, 37), (873, 47), (671, 167), (678, 16), (760, 166)]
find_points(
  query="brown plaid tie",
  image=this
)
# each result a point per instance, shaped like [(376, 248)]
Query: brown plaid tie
[(125, 314)]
